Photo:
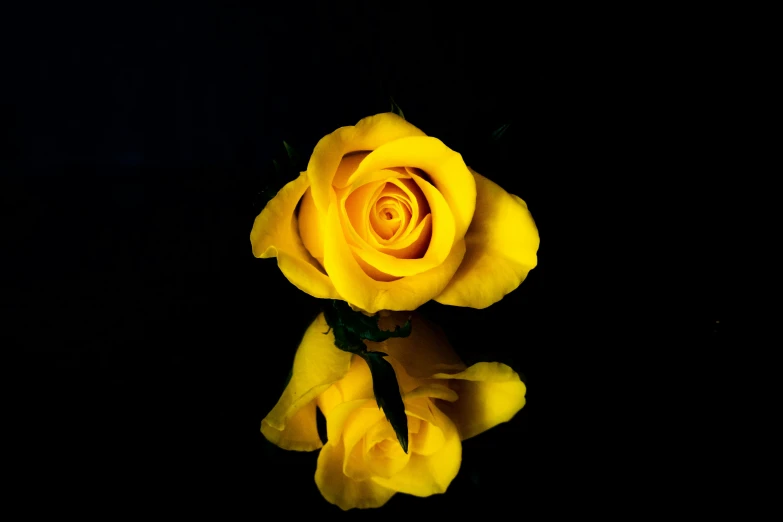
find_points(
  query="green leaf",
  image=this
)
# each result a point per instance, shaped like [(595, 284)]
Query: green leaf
[(289, 150), (294, 159), (278, 169), (286, 168), (396, 108), (500, 132), (387, 394)]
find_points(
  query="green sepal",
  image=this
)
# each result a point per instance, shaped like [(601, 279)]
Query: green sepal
[(396, 108), (500, 131), (294, 159), (286, 168), (279, 172), (351, 329), (387, 394)]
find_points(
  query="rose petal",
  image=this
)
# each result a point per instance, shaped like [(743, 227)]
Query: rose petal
[(356, 384), (383, 455), (445, 167), (415, 239), (311, 228), (395, 189), (348, 166), (431, 474), (414, 245), (387, 216), (356, 210), (337, 418), (369, 134), (300, 432), (317, 364), (440, 245), (370, 295), (501, 249), (355, 225), (275, 234), (430, 439), (341, 490), (443, 222), (490, 393), (432, 390)]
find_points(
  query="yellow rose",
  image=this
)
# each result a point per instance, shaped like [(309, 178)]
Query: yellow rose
[(387, 218), (362, 464)]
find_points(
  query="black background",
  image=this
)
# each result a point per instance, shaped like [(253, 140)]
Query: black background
[(137, 145)]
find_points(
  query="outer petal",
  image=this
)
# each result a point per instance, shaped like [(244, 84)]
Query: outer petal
[(369, 134), (317, 364), (337, 419), (275, 234), (300, 432), (428, 440), (490, 393), (341, 490), (355, 385), (427, 475), (501, 249), (444, 166), (370, 295), (311, 227)]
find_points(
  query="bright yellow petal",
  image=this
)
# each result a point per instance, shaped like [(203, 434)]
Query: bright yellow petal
[(383, 455), (347, 167), (440, 244), (355, 385), (369, 134), (445, 168), (356, 208), (354, 466), (348, 423), (370, 295), (429, 440), (387, 216), (380, 465), (413, 245), (317, 364), (322, 167), (490, 393), (338, 417), (501, 249), (311, 228), (275, 234), (360, 421), (443, 221), (432, 390), (378, 433), (341, 490), (300, 432), (402, 244), (427, 475)]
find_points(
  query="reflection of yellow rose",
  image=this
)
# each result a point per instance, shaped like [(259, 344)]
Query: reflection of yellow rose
[(362, 464), (387, 218)]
